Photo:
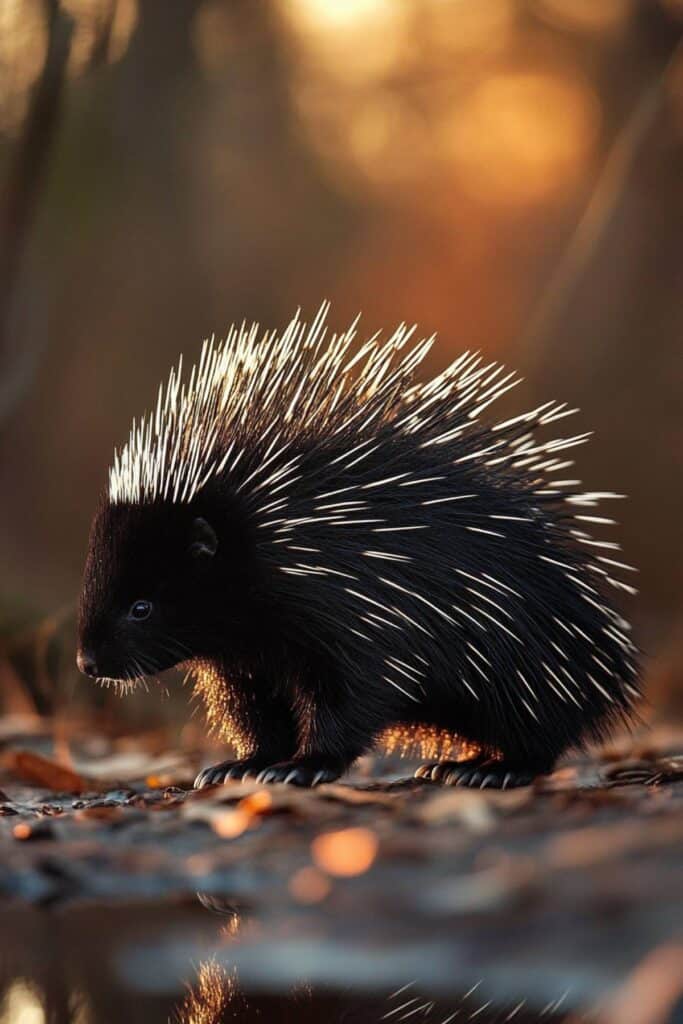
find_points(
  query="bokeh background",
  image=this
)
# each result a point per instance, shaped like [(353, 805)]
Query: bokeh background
[(508, 173)]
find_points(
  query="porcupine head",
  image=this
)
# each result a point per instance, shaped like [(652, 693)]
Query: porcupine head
[(172, 573), (160, 589)]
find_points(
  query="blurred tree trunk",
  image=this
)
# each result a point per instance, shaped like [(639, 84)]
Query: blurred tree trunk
[(21, 196)]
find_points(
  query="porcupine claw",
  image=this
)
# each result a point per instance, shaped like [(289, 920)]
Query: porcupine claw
[(478, 773), (228, 771), (304, 772)]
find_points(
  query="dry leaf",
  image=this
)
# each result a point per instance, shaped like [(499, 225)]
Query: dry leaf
[(39, 771)]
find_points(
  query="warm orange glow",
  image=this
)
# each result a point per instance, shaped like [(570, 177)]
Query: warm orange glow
[(230, 824), (309, 885), (518, 135), (256, 803), (425, 742), (387, 140), (23, 40), (346, 853), (340, 15), (461, 28), (22, 831), (522, 136), (350, 40), (210, 687)]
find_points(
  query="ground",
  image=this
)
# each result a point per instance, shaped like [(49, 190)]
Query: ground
[(380, 897)]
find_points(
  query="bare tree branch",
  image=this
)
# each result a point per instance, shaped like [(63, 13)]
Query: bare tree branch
[(600, 209)]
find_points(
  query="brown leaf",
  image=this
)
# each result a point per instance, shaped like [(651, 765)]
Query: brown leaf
[(39, 771)]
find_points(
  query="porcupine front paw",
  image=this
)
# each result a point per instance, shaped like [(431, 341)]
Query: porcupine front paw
[(304, 771), (478, 773), (226, 771)]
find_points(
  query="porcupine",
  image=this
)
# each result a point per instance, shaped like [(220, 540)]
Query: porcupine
[(335, 548)]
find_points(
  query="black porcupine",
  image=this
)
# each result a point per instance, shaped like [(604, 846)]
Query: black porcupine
[(336, 550)]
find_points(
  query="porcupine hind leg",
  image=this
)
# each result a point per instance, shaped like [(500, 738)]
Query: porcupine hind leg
[(507, 758), (262, 729), (501, 765)]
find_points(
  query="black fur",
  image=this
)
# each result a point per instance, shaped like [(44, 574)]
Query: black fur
[(308, 655)]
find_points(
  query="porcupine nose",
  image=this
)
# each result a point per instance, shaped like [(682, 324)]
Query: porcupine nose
[(86, 662)]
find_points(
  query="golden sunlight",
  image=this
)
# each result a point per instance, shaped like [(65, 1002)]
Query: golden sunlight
[(354, 40), (23, 39), (522, 136), (460, 27), (340, 14)]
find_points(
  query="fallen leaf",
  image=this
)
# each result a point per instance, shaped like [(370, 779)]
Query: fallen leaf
[(40, 771)]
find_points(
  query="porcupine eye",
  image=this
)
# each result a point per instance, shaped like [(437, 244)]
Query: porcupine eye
[(140, 610)]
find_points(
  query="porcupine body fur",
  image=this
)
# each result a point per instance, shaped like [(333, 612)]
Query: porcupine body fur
[(336, 549)]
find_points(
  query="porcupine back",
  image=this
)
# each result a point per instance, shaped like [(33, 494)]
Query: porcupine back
[(431, 555)]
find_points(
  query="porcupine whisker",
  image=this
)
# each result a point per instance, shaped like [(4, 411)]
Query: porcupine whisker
[(120, 686), (140, 679), (177, 652)]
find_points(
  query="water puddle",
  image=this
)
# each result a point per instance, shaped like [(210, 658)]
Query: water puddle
[(204, 961)]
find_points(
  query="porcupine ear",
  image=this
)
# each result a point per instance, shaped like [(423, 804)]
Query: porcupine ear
[(204, 542)]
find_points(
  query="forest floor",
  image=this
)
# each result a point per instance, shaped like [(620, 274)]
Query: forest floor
[(381, 897)]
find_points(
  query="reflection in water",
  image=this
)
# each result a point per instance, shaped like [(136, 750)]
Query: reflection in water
[(207, 1001), (407, 1003), (215, 960), (231, 914), (216, 998), (25, 1002)]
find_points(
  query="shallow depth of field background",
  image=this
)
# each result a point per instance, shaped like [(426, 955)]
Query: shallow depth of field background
[(508, 173)]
